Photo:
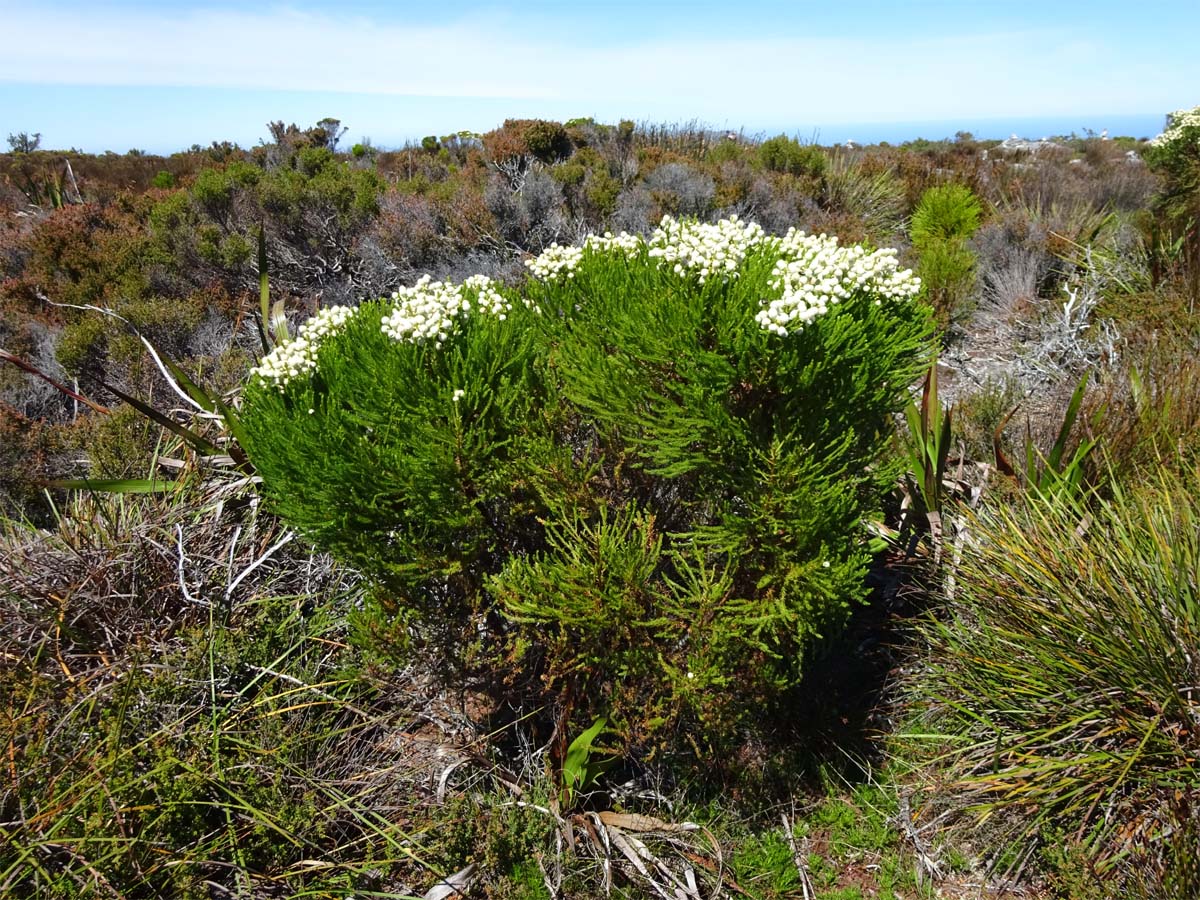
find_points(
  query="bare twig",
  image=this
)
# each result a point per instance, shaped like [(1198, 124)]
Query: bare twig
[(789, 832), (927, 864), (258, 562)]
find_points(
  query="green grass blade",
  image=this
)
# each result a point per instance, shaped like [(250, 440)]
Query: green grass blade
[(115, 485)]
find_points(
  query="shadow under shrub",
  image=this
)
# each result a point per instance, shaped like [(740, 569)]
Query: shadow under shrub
[(634, 489)]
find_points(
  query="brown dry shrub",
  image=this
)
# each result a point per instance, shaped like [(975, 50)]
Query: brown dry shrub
[(516, 138), (32, 452), (89, 253), (461, 206), (408, 228)]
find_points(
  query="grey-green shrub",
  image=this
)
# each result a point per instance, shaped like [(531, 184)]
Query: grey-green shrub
[(634, 489)]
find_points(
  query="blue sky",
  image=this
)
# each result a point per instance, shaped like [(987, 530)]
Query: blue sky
[(163, 75)]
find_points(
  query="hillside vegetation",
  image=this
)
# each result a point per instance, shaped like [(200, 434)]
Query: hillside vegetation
[(578, 510)]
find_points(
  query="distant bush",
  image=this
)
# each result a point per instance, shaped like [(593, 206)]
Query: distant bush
[(680, 190), (314, 210), (789, 156), (630, 490), (538, 138), (530, 217)]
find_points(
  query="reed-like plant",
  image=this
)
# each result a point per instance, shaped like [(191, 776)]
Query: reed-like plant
[(928, 447), (1060, 689)]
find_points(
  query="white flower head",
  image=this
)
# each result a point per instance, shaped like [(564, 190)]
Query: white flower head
[(709, 252), (1177, 122), (815, 273), (298, 356), (431, 310)]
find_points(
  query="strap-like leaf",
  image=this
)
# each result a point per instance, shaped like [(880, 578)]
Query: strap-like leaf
[(264, 290), (1060, 443), (198, 443), (35, 371), (113, 485), (279, 326)]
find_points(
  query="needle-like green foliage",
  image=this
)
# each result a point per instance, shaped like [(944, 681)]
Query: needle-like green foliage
[(616, 493)]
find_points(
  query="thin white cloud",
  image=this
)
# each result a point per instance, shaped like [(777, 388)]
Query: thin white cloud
[(778, 78)]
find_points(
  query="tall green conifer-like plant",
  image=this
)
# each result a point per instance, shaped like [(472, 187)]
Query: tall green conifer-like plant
[(945, 219), (632, 489)]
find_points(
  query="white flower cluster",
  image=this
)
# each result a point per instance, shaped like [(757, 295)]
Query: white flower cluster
[(814, 273), (707, 251), (1176, 123), (299, 356), (630, 245), (487, 297), (557, 261), (554, 262), (429, 309)]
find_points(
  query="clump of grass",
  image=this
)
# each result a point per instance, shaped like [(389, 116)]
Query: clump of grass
[(181, 714), (872, 200), (1150, 416), (1059, 690)]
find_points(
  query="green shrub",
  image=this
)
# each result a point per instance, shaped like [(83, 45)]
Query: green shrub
[(212, 192), (944, 220), (634, 490), (789, 156), (163, 180), (1176, 154), (1062, 679), (569, 174), (602, 191), (947, 270), (947, 212), (547, 140)]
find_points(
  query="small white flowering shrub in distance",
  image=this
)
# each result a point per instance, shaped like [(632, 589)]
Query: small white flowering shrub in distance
[(633, 488)]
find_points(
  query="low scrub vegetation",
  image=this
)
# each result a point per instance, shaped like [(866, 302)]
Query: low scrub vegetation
[(581, 509)]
